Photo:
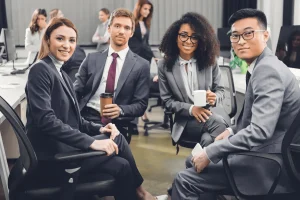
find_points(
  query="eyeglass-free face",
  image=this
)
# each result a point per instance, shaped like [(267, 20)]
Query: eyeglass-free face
[(248, 43), (187, 41)]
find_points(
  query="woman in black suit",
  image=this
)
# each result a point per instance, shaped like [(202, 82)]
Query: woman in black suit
[(54, 124), (139, 42)]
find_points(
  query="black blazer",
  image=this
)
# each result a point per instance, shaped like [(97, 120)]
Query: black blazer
[(54, 124), (140, 45), (132, 91)]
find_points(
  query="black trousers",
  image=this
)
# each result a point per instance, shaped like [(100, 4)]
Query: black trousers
[(122, 167)]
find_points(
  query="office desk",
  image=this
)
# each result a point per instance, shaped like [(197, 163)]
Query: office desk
[(12, 89)]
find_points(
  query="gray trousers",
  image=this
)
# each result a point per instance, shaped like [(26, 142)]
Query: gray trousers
[(204, 133), (188, 184)]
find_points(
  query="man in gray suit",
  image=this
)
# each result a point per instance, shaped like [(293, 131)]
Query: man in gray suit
[(117, 70), (272, 101)]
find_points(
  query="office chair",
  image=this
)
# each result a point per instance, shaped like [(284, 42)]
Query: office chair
[(22, 185), (125, 126), (290, 161), (155, 124), (227, 110)]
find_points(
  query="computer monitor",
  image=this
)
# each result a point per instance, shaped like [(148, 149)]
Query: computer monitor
[(225, 44), (288, 46), (9, 43)]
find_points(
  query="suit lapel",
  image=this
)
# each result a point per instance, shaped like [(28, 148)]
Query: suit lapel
[(129, 63), (179, 81), (52, 66), (100, 62), (64, 83)]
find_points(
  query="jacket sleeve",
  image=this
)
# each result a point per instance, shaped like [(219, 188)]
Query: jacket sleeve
[(166, 95), (39, 88), (217, 84)]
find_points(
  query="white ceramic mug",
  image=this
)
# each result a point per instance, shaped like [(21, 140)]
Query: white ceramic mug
[(200, 98)]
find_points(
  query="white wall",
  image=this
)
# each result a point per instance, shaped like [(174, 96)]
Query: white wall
[(296, 12), (84, 14), (274, 12)]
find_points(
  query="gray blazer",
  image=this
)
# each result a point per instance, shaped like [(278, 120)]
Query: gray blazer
[(133, 85), (174, 95), (271, 103)]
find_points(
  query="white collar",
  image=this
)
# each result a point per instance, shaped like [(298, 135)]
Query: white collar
[(56, 62), (183, 61), (251, 66), (122, 54)]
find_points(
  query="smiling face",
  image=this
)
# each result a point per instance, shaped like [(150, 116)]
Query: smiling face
[(249, 50), (187, 48), (62, 43), (145, 10)]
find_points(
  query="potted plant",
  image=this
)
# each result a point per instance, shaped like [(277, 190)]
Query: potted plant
[(237, 62)]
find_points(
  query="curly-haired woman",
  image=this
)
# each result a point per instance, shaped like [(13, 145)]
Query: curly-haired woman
[(191, 48)]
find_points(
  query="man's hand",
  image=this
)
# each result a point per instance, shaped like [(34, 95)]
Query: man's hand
[(211, 97), (200, 161), (201, 114), (111, 111), (107, 145), (155, 78), (223, 135), (112, 129)]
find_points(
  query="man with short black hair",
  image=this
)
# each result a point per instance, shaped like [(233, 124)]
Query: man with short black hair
[(272, 101)]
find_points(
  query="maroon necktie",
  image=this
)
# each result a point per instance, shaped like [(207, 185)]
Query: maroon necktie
[(110, 83)]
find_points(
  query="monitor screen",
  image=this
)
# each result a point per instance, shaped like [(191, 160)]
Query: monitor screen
[(223, 37), (288, 46), (9, 43)]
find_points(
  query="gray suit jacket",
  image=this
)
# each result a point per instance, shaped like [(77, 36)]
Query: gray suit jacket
[(132, 90), (271, 103), (174, 95)]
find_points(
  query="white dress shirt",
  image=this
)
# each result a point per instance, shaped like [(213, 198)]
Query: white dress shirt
[(33, 41), (189, 77), (94, 102)]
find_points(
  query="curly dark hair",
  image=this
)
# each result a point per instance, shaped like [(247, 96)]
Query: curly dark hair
[(208, 45)]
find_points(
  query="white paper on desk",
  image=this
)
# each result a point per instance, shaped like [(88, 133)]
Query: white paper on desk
[(8, 86)]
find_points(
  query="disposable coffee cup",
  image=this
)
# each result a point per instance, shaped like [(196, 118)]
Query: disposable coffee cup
[(105, 99), (200, 98)]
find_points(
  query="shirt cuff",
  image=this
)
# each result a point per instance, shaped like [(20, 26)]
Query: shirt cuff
[(230, 131), (121, 112), (190, 110), (204, 150)]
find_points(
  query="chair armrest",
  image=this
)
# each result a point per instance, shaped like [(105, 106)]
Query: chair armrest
[(123, 119), (77, 155), (272, 157), (295, 147)]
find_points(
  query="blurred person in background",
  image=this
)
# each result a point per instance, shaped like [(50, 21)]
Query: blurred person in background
[(34, 34), (101, 35)]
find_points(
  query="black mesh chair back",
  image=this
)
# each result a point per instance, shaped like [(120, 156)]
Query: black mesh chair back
[(27, 154), (229, 103), (291, 151)]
